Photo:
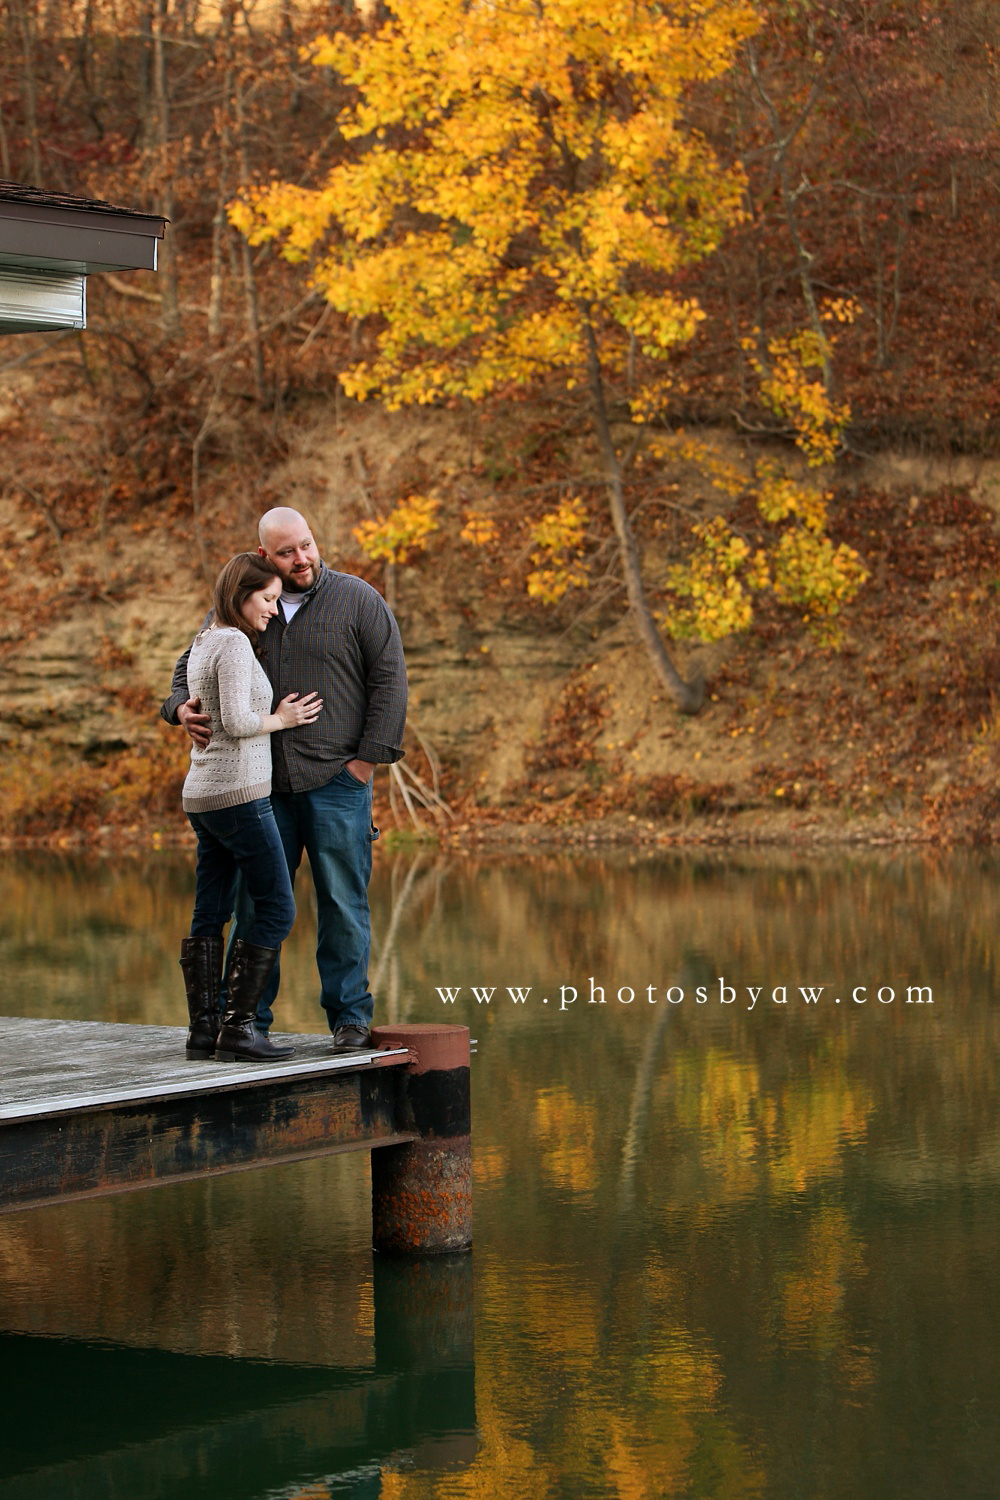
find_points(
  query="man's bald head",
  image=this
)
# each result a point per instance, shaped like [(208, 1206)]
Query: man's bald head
[(279, 519), (286, 540)]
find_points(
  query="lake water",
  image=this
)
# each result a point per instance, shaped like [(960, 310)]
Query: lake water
[(725, 1246)]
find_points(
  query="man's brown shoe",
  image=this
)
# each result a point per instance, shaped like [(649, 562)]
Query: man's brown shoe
[(352, 1039)]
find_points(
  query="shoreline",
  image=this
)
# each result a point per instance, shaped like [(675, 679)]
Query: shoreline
[(476, 835)]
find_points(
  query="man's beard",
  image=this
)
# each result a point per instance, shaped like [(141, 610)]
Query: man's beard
[(299, 585)]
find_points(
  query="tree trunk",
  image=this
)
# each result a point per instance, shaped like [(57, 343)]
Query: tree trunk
[(5, 167), (222, 235), (171, 313), (220, 227), (220, 224), (146, 126), (250, 299), (203, 432), (29, 90), (689, 696), (288, 36), (880, 350), (87, 68)]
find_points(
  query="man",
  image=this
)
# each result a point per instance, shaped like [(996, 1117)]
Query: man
[(333, 634)]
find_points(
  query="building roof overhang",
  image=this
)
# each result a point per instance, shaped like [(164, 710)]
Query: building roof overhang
[(50, 243)]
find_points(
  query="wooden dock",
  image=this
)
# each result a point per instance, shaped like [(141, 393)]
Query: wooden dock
[(91, 1107)]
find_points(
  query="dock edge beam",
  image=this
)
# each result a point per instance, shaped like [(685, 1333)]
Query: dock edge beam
[(422, 1191)]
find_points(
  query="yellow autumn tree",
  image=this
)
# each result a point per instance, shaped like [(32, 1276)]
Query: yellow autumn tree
[(800, 565), (519, 191)]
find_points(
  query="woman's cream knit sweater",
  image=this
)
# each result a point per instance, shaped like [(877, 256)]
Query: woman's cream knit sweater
[(234, 689)]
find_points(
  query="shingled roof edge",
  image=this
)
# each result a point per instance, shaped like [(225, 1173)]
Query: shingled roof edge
[(23, 193)]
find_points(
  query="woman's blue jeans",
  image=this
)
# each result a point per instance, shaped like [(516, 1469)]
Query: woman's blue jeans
[(332, 824), (242, 841)]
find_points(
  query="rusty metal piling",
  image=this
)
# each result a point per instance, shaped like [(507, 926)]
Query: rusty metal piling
[(422, 1190)]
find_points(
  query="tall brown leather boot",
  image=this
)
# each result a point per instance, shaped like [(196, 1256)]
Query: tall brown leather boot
[(201, 965), (249, 970)]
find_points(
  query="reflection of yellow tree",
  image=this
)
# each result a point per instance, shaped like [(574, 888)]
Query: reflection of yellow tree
[(817, 1117), (749, 1138), (813, 1291), (566, 1317), (566, 1134), (719, 1095), (642, 1466), (812, 1295), (505, 1466), (506, 1463), (586, 1393), (489, 1165), (672, 1416)]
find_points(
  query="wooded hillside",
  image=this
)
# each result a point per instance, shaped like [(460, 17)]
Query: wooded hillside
[(866, 138)]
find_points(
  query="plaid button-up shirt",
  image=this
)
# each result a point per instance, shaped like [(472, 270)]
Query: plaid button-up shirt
[(343, 643)]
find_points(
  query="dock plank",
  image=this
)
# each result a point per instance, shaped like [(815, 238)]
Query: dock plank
[(52, 1065), (91, 1107)]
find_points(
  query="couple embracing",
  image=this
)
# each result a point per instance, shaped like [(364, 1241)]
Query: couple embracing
[(267, 784)]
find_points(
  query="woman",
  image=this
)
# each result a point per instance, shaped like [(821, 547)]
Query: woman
[(226, 797)]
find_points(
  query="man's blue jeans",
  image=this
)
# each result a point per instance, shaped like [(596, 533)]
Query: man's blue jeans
[(242, 840), (333, 826)]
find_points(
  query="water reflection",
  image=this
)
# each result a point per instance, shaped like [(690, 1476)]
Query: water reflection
[(228, 1338), (722, 1248)]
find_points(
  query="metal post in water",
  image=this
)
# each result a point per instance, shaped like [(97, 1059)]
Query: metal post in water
[(422, 1191)]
